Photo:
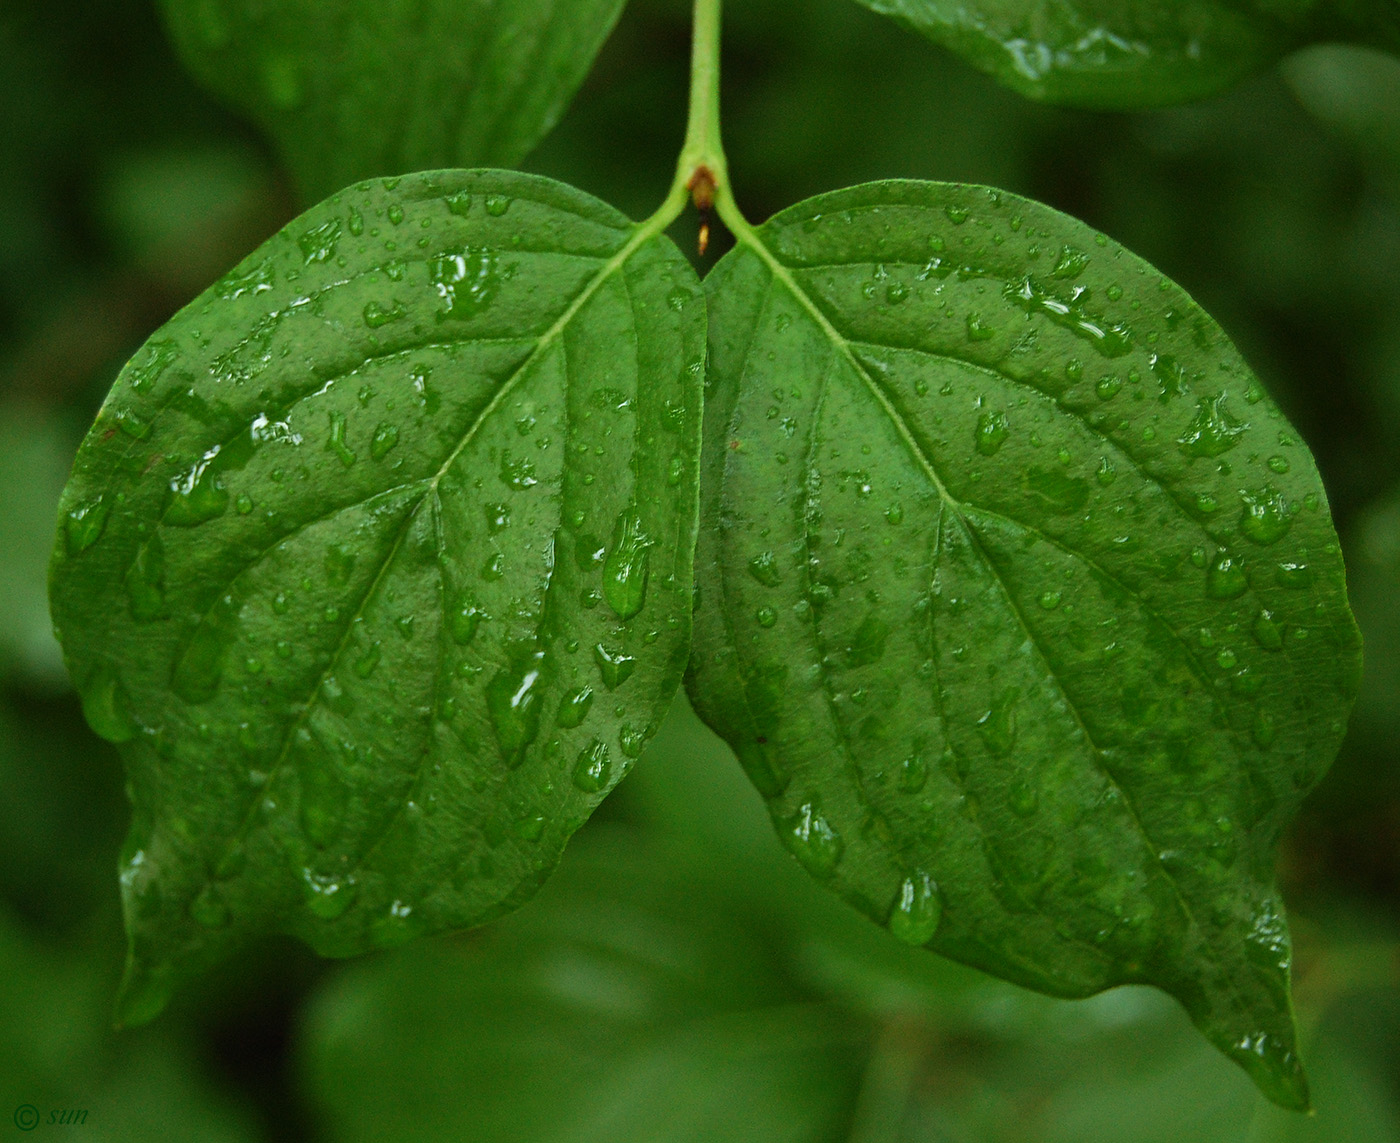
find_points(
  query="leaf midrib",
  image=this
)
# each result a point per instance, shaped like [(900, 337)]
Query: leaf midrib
[(641, 234), (779, 271)]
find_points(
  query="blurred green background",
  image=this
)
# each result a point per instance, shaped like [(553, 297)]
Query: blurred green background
[(680, 978)]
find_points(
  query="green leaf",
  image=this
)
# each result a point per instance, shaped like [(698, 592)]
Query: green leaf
[(1123, 54), (339, 565), (622, 1004), (355, 88), (1018, 598)]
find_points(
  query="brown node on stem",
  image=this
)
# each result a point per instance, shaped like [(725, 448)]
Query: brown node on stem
[(702, 187)]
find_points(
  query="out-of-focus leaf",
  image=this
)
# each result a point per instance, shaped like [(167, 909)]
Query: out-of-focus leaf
[(61, 811), (36, 449), (58, 1055), (356, 88), (616, 1006), (1132, 53)]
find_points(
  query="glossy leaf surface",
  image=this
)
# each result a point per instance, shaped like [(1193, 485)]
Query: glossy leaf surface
[(353, 88), (377, 564), (1018, 598), (1111, 54)]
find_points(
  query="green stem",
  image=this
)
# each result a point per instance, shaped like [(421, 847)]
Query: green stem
[(702, 161)]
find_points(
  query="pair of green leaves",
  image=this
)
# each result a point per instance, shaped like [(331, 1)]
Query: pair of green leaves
[(1016, 596)]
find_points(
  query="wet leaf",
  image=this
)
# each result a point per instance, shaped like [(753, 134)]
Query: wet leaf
[(1018, 599), (1110, 54), (355, 88), (340, 599)]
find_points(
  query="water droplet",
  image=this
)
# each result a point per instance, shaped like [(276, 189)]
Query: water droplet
[(145, 581), (1226, 578), (678, 297), (466, 280), (466, 618), (615, 667), (957, 215), (395, 213), (978, 330), (197, 496), (209, 908), (1070, 264), (632, 740), (812, 839), (991, 432), (1049, 600), (1106, 473), (1278, 464), (593, 768), (1108, 339), (1108, 387), (1214, 431), (517, 472), (84, 524), (386, 436), (765, 617), (497, 205), (998, 726), (319, 243), (764, 568), (460, 203), (1267, 632), (913, 772), (867, 645), (106, 709), (896, 292), (327, 897), (1264, 517), (675, 470), (1226, 658), (626, 566), (365, 664), (573, 708), (895, 513), (513, 700), (376, 314), (494, 568), (917, 910), (255, 281)]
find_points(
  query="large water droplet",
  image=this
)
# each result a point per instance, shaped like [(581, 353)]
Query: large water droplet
[(1226, 578), (1108, 339), (319, 243), (1267, 633), (105, 707), (626, 566), (615, 667), (83, 525), (764, 568), (145, 581), (593, 769), (998, 726), (327, 897), (198, 495), (917, 910), (812, 839), (1214, 431), (513, 700), (466, 280), (1264, 517), (573, 709), (991, 432), (466, 618)]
